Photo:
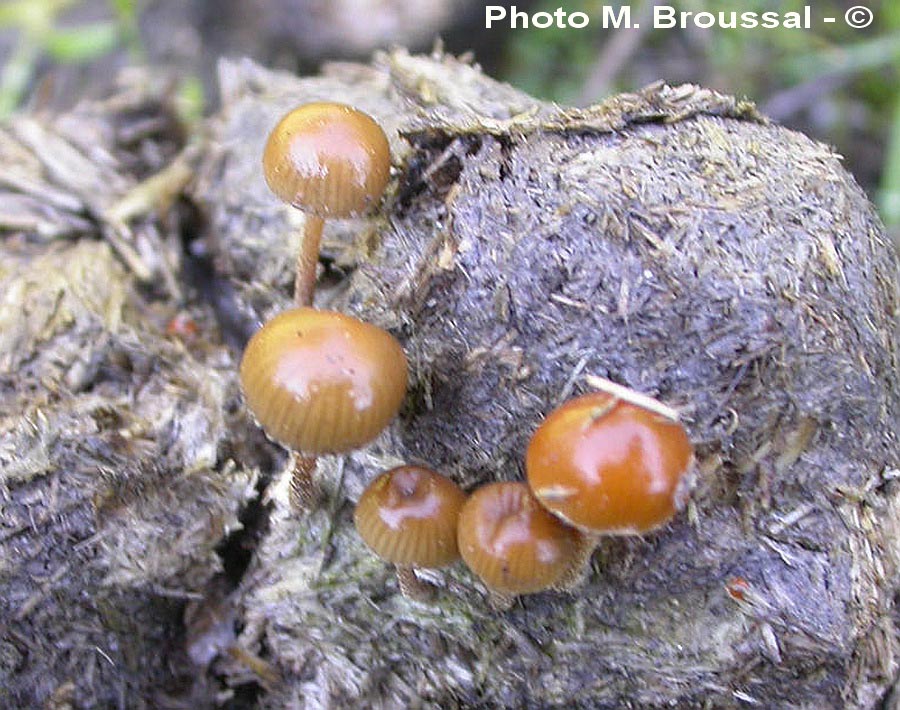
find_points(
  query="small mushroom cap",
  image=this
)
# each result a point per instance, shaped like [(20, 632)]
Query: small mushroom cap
[(408, 516), (609, 466), (327, 159), (321, 382), (512, 543)]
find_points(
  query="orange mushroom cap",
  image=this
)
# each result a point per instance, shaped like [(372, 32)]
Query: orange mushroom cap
[(322, 382), (327, 159), (609, 466), (512, 543), (408, 516)]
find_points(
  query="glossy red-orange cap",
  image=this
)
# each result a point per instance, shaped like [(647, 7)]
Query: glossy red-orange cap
[(321, 382), (609, 466), (408, 516), (512, 543), (328, 159)]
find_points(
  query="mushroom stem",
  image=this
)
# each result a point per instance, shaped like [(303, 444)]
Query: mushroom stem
[(304, 490), (575, 575), (499, 601), (308, 260), (263, 670), (412, 587)]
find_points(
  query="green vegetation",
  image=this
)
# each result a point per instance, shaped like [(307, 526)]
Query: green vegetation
[(39, 34), (889, 194)]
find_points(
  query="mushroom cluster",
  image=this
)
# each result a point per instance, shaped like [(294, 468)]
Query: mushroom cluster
[(607, 463), (320, 382), (601, 464)]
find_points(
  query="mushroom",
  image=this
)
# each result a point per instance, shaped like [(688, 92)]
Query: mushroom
[(513, 544), (610, 464), (407, 516), (320, 382), (327, 160)]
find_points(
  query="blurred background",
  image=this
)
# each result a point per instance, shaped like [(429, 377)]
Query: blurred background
[(837, 84)]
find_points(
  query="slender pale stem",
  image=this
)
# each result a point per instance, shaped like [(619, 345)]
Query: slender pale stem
[(304, 491), (575, 575), (412, 587), (500, 601), (263, 670), (308, 260)]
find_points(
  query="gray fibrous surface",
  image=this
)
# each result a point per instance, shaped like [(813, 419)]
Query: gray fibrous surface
[(114, 496), (116, 488), (672, 241)]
